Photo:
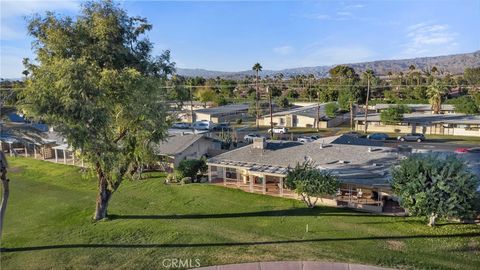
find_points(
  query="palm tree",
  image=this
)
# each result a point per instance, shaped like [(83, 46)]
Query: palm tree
[(257, 68), (435, 91)]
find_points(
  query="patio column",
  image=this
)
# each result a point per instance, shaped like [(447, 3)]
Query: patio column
[(56, 155), (73, 158), (251, 182), (34, 151), (82, 163), (10, 148), (224, 169), (26, 150), (64, 157), (209, 173), (281, 186), (264, 184), (239, 178)]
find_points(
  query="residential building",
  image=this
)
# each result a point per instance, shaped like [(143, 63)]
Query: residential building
[(262, 167), (179, 147), (429, 124), (231, 112), (310, 116), (417, 108)]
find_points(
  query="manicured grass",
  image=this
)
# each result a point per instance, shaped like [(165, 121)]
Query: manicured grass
[(48, 226)]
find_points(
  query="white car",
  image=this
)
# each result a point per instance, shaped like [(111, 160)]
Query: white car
[(203, 125), (278, 130), (250, 137), (305, 139)]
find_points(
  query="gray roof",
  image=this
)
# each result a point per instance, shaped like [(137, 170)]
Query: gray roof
[(416, 107), (231, 108), (419, 118), (308, 111), (352, 163), (174, 145), (355, 140)]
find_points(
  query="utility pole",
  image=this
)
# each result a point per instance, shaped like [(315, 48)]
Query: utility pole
[(271, 112), (366, 102), (191, 109)]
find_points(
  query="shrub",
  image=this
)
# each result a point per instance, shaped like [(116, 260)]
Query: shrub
[(239, 121), (191, 167), (331, 109), (435, 187), (308, 182)]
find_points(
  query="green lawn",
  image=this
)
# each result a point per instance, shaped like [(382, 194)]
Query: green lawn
[(48, 226)]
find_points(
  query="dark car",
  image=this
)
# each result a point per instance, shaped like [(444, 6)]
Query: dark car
[(222, 127), (378, 136), (413, 137)]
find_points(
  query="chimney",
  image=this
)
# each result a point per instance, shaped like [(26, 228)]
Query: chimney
[(369, 149), (259, 143)]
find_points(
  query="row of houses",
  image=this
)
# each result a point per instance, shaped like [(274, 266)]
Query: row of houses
[(422, 120)]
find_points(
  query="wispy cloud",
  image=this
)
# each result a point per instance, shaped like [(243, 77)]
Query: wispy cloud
[(429, 39), (343, 13), (283, 50)]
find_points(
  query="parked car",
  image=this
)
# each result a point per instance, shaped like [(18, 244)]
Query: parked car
[(203, 125), (315, 137), (223, 127), (474, 150), (461, 150), (181, 125), (250, 137), (278, 130), (414, 137), (305, 139), (378, 136)]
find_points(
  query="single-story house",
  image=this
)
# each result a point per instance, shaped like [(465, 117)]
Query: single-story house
[(441, 124), (262, 167), (221, 114), (179, 147), (417, 108), (310, 116)]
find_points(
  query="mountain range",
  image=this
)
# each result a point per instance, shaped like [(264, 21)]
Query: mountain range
[(454, 64)]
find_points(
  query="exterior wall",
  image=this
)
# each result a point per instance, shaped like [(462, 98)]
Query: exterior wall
[(436, 129), (202, 116), (197, 150), (221, 118), (305, 121)]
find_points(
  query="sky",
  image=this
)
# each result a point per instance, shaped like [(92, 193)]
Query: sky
[(233, 35)]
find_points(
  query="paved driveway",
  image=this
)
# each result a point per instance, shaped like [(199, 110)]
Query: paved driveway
[(293, 265)]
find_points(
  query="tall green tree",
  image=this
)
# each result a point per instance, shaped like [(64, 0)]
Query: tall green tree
[(98, 85), (435, 187), (435, 91)]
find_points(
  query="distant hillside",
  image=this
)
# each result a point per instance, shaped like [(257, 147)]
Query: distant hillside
[(454, 64)]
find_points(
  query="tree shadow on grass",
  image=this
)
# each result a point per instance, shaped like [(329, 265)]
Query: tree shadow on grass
[(294, 212), (233, 244)]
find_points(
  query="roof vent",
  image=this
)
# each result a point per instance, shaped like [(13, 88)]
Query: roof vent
[(259, 143)]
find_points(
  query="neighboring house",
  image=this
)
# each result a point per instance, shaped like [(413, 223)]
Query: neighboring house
[(309, 116), (221, 114), (417, 108), (184, 112), (179, 147), (441, 124), (262, 167)]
